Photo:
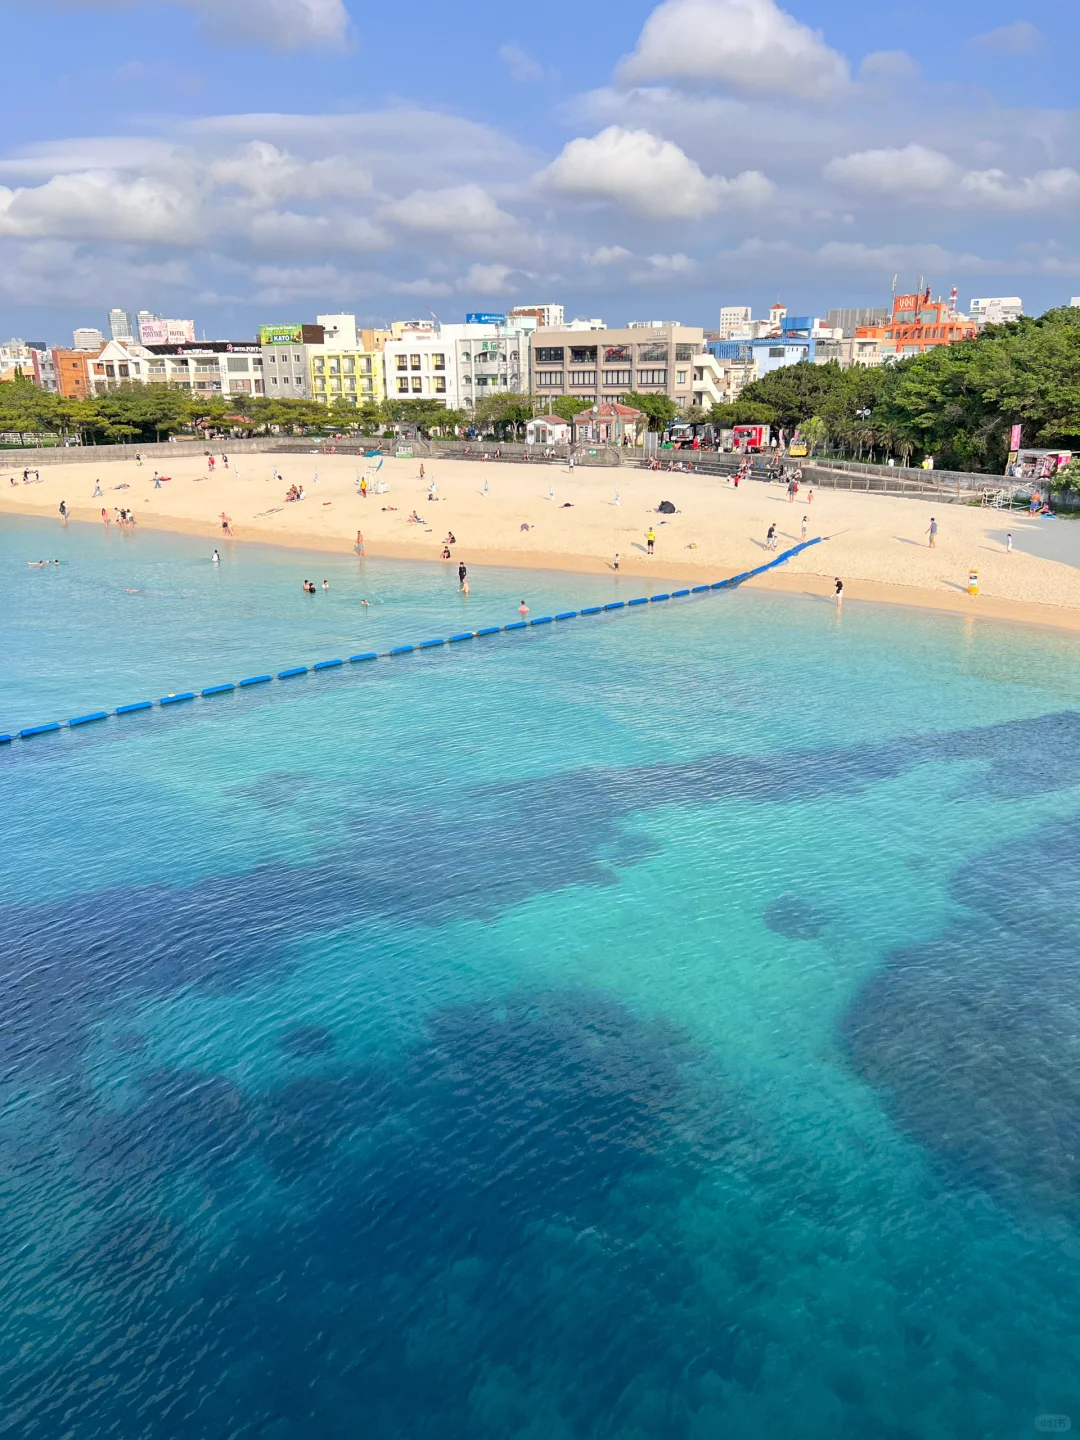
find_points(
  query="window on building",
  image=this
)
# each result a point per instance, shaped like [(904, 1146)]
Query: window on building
[(582, 355), (273, 379), (438, 362), (680, 377), (776, 352), (652, 352), (402, 362), (298, 359), (417, 384), (440, 384), (367, 386), (466, 357), (616, 353), (684, 352), (319, 365), (403, 385), (365, 365), (414, 362), (583, 379), (350, 383), (320, 382), (273, 359), (98, 369), (285, 380), (122, 371), (549, 380), (618, 377), (237, 365), (549, 354), (335, 367), (349, 366), (335, 385), (652, 377)]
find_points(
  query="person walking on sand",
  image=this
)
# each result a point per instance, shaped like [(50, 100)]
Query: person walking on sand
[(359, 546), (615, 563), (839, 592), (932, 532), (138, 457), (650, 539), (97, 490), (226, 523), (809, 497), (770, 538), (105, 517), (63, 511), (421, 470), (1008, 543), (157, 481), (804, 527)]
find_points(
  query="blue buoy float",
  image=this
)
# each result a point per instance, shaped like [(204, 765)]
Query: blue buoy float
[(296, 670)]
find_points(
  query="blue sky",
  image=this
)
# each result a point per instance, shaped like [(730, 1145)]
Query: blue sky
[(253, 161)]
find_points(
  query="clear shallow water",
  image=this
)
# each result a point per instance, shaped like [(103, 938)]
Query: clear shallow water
[(661, 1027)]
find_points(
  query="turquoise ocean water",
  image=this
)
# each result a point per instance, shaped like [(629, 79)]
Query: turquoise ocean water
[(662, 1025)]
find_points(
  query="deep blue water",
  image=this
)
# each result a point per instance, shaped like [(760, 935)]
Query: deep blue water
[(665, 1026)]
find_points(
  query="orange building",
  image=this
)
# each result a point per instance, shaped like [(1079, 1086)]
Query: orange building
[(918, 324), (69, 367)]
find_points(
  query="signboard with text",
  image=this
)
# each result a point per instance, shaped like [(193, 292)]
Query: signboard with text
[(281, 334), (480, 318)]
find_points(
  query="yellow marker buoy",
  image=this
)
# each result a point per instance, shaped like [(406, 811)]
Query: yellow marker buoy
[(973, 582)]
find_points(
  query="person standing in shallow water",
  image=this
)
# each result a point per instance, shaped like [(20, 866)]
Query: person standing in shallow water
[(839, 592)]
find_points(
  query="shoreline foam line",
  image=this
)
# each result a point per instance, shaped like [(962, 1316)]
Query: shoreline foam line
[(210, 691)]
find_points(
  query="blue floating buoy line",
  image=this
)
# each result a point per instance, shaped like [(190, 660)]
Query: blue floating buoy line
[(296, 670)]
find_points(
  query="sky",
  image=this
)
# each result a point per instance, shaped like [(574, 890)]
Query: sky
[(246, 162)]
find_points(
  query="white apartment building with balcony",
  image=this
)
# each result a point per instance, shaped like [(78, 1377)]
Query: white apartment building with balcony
[(457, 365)]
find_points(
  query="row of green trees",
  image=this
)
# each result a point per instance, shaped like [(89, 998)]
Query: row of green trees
[(957, 402)]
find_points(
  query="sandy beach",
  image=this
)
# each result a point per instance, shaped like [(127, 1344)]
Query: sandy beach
[(877, 544)]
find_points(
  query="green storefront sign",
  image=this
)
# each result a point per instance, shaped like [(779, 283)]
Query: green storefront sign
[(281, 334)]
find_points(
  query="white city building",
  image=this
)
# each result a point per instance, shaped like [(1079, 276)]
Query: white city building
[(734, 319), (457, 364), (996, 310), (87, 338)]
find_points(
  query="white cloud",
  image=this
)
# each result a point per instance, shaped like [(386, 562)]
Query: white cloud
[(647, 175), (749, 45), (522, 67), (100, 205), (677, 264), (1042, 191), (277, 24), (1019, 38), (489, 280), (608, 255), (458, 209), (913, 170), (928, 259), (888, 65), (917, 172), (269, 174)]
